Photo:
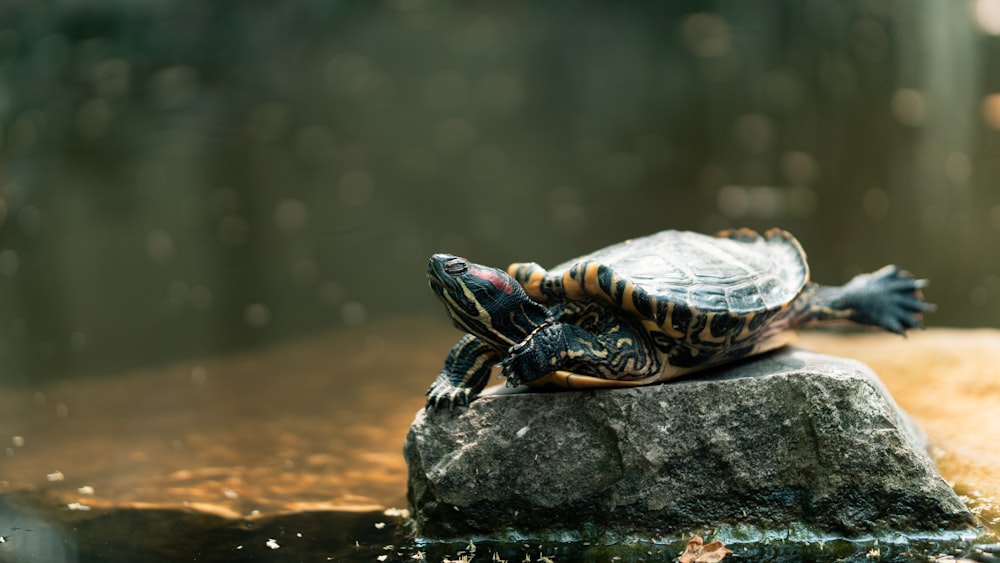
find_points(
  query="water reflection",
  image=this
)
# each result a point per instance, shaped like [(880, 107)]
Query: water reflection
[(315, 425)]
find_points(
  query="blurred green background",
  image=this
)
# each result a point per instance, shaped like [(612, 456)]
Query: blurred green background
[(183, 178)]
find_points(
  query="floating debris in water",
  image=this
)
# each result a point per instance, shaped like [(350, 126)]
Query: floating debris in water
[(272, 543), (55, 476), (379, 525), (18, 441), (397, 512), (85, 490), (77, 506), (698, 552)]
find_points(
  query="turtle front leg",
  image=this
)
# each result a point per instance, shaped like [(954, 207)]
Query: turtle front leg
[(592, 339), (465, 373), (543, 352)]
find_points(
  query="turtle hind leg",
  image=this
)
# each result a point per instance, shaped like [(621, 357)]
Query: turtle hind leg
[(465, 373), (888, 298)]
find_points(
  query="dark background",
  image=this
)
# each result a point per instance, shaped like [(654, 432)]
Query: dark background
[(187, 178)]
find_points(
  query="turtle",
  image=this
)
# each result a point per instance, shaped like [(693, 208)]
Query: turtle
[(647, 310)]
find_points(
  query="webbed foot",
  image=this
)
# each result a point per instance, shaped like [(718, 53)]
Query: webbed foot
[(536, 356), (889, 298)]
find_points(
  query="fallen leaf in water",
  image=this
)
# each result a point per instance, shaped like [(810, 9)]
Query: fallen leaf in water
[(698, 552)]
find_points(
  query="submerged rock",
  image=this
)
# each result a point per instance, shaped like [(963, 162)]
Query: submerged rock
[(789, 441)]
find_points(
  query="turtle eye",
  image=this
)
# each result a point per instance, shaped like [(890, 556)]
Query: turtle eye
[(456, 266)]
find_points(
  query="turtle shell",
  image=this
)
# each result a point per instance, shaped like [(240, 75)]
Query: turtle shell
[(740, 273)]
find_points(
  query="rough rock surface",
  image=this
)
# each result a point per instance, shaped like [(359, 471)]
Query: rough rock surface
[(789, 441)]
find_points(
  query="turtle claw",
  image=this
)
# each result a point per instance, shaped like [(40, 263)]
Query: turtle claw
[(508, 372), (443, 395)]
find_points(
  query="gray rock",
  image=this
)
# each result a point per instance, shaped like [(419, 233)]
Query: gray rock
[(792, 442)]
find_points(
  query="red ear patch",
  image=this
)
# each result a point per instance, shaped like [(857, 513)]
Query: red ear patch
[(497, 280)]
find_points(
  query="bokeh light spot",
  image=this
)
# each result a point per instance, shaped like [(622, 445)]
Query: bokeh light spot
[(908, 107), (799, 167), (995, 217), (9, 263), (869, 40), (707, 35), (876, 203), (987, 13), (991, 110), (958, 168), (732, 201), (159, 245), (353, 313), (257, 315), (175, 86), (290, 215), (78, 341)]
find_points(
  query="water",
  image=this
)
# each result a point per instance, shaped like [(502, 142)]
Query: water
[(215, 218), (241, 449), (374, 536)]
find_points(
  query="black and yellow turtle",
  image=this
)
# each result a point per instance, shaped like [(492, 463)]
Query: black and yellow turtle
[(647, 310)]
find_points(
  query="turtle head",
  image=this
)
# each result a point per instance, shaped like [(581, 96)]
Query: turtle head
[(484, 301)]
